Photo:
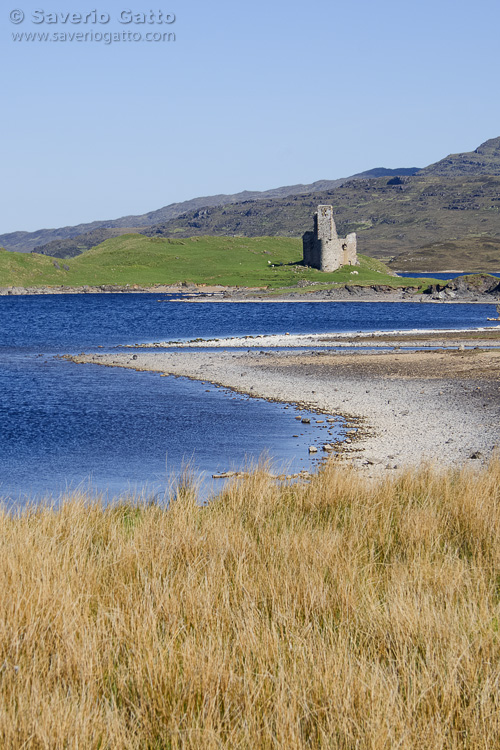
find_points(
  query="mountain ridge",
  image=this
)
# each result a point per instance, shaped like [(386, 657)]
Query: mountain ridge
[(485, 159), (37, 241), (452, 204), (407, 217), (389, 218)]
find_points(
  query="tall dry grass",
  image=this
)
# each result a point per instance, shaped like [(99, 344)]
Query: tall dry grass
[(337, 614)]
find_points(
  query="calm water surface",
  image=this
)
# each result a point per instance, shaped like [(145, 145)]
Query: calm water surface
[(449, 275), (62, 425)]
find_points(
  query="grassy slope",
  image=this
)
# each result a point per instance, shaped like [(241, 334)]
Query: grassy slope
[(390, 219), (339, 614), (473, 254), (230, 261)]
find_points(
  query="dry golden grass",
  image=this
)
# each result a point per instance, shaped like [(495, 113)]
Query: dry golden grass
[(334, 615)]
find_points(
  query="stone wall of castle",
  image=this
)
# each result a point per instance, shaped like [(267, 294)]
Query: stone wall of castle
[(323, 249)]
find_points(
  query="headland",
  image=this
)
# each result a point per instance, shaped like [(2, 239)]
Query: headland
[(408, 406)]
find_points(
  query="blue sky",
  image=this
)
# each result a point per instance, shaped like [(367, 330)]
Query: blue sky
[(249, 96)]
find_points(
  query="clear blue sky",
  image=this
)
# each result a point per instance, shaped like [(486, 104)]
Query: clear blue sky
[(249, 96)]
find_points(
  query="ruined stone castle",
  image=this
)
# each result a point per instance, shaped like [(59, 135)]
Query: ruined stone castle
[(323, 248)]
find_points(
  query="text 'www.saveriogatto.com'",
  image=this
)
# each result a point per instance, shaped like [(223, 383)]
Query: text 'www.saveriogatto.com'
[(68, 26)]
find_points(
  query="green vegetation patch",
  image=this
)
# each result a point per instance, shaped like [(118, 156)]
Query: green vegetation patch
[(272, 262)]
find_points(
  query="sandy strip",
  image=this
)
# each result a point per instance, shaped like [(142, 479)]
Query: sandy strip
[(483, 336), (323, 297), (412, 406)]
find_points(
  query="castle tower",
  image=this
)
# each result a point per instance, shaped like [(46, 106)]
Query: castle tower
[(326, 224), (323, 249)]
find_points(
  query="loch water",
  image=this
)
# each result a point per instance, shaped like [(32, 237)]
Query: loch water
[(446, 275), (64, 426)]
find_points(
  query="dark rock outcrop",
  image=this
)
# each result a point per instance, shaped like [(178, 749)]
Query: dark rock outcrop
[(467, 286)]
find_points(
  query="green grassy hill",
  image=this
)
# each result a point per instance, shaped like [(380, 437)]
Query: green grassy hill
[(390, 218), (66, 242), (455, 201), (230, 261), (446, 215)]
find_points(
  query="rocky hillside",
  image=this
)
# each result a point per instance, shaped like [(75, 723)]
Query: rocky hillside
[(62, 243), (484, 160), (446, 216), (471, 254), (393, 217)]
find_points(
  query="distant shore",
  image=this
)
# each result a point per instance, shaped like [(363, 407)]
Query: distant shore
[(192, 293), (409, 406), (16, 291)]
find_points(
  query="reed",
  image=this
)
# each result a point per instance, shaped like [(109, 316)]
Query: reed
[(335, 614)]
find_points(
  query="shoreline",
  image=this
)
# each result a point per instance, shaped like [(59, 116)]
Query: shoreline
[(192, 293), (486, 336), (408, 407)]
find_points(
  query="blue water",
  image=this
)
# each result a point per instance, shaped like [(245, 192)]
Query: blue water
[(71, 323), (62, 424), (452, 275)]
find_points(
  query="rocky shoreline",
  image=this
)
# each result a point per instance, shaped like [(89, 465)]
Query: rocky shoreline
[(101, 289), (470, 289), (406, 406)]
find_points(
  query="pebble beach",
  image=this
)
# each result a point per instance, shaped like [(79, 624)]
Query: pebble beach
[(409, 407)]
